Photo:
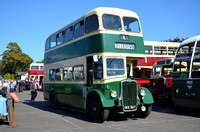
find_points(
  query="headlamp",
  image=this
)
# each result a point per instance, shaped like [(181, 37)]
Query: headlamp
[(142, 92), (113, 94)]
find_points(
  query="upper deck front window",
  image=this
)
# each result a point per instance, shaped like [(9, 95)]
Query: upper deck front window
[(115, 67), (91, 23), (111, 22), (34, 67), (131, 24), (186, 48)]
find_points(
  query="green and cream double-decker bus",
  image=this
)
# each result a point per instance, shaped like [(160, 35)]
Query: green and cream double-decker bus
[(186, 74), (88, 64)]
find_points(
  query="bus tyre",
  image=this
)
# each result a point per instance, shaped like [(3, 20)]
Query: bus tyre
[(143, 114), (52, 99), (96, 111)]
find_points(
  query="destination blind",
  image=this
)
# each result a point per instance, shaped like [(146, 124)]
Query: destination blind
[(126, 46)]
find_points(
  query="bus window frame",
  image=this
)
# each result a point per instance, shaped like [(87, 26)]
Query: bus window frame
[(58, 36), (110, 28), (72, 30), (86, 22), (68, 67), (73, 75), (112, 57), (138, 24), (78, 28)]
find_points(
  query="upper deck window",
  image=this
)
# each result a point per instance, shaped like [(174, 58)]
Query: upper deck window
[(111, 22), (60, 38), (69, 34), (34, 67), (160, 50), (148, 50), (41, 67), (172, 50), (53, 41), (198, 47), (186, 48), (47, 44), (79, 29), (91, 23), (131, 24)]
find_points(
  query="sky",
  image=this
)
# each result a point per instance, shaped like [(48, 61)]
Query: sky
[(30, 22)]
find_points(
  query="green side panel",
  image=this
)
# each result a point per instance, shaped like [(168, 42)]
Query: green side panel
[(105, 102), (93, 44), (68, 94), (148, 98), (110, 40)]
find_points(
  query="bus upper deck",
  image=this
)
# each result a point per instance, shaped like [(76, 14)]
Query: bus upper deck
[(103, 29)]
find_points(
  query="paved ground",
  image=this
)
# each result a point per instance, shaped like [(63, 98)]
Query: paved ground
[(38, 116)]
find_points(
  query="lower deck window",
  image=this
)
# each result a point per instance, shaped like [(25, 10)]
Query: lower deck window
[(78, 73)]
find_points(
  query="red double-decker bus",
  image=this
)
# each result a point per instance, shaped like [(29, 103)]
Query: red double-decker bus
[(161, 78), (155, 51), (36, 72)]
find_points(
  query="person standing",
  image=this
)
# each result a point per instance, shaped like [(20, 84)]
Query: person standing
[(12, 86), (33, 89)]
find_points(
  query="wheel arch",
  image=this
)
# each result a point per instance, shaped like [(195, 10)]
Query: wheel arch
[(105, 102)]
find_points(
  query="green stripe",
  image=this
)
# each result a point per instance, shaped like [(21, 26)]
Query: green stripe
[(93, 44)]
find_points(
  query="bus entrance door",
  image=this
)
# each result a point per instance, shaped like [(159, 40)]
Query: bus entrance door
[(89, 71)]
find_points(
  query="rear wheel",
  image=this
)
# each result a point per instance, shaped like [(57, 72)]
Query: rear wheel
[(143, 114), (96, 111)]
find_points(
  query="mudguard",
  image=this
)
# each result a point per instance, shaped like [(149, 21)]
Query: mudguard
[(148, 98), (105, 102)]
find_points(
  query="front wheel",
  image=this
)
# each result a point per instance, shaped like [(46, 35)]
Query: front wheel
[(96, 111), (143, 113)]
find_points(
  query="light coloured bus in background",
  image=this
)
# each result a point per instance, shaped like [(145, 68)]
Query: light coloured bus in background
[(155, 51), (36, 72), (186, 74), (160, 79), (86, 65)]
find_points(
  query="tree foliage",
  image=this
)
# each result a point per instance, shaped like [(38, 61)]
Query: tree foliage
[(13, 60), (9, 76), (42, 61), (176, 39)]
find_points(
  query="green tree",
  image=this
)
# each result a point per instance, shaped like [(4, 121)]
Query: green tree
[(42, 61), (12, 76), (13, 60), (176, 39), (7, 76)]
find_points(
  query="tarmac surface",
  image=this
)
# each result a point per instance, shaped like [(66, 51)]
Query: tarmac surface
[(38, 116)]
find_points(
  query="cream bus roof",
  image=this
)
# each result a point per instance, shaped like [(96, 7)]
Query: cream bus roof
[(190, 40), (160, 43), (111, 10), (101, 11)]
